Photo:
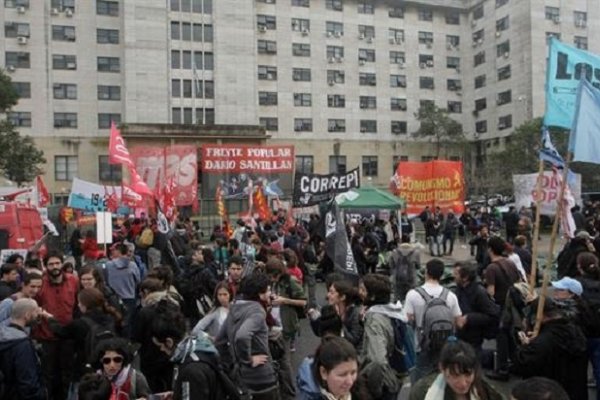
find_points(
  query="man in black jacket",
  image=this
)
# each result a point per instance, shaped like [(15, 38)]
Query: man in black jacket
[(480, 313), (19, 362)]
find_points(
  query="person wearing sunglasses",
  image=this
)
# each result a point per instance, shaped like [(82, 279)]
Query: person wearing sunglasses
[(114, 362)]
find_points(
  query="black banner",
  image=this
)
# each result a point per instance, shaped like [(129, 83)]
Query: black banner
[(337, 245), (311, 189)]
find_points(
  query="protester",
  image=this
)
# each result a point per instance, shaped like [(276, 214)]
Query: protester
[(91, 277), (449, 229), (480, 242), (234, 273), (123, 276), (404, 263), (459, 376), (9, 276), (94, 387), (32, 284), (19, 364), (567, 258), (520, 248), (211, 324), (538, 388)]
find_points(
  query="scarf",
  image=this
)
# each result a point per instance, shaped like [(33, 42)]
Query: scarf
[(192, 344), (437, 390), (330, 396), (120, 385)]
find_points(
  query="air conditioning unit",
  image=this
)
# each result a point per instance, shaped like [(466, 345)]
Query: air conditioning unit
[(401, 65), (449, 46), (21, 9), (556, 20), (498, 33), (339, 59), (392, 41), (331, 82), (430, 63), (369, 40), (54, 11), (480, 41), (506, 55), (361, 62), (71, 65), (363, 130), (22, 40), (423, 65), (501, 126), (337, 34), (69, 12), (331, 60), (580, 23), (361, 37), (262, 28), (304, 32), (429, 45), (473, 23), (329, 34), (11, 68)]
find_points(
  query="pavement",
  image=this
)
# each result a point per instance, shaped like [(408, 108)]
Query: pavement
[(307, 342)]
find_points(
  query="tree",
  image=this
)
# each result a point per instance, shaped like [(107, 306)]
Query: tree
[(438, 126), (21, 159)]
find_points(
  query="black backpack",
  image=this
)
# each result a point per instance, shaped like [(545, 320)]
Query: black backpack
[(96, 333)]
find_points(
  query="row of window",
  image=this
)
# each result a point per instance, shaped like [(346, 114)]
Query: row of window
[(194, 6), (333, 125), (67, 167), (553, 14), (68, 91), (191, 32), (192, 60), (504, 122), (188, 115), (62, 119), (20, 59), (188, 89), (103, 7), (60, 33)]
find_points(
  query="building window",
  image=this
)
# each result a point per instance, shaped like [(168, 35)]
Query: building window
[(550, 35), (453, 62), (105, 120), (207, 32), (336, 125), (305, 164), (335, 52), (369, 165), (303, 125), (581, 42), (480, 104), (176, 115), (302, 99), (425, 14), (175, 59), (336, 100), (109, 64), (267, 73), (63, 33), (334, 28), (426, 82), (366, 55), (479, 58), (397, 57), (186, 31), (300, 25), (65, 168), (335, 5), (504, 97), (267, 1), (552, 13), (454, 107), (368, 125), (426, 103), (264, 22), (335, 76), (503, 49), (452, 41), (505, 122), (425, 37), (65, 120), (15, 29), (398, 104), (504, 73), (301, 3), (453, 85), (337, 164), (425, 60), (267, 47), (108, 172), (481, 126), (398, 81), (367, 79), (500, 3), (396, 35), (301, 49), (301, 74), (399, 128), (107, 36), (452, 17), (580, 18), (267, 98), (187, 89), (396, 12), (368, 102), (478, 12), (366, 7), (23, 89), (20, 118), (269, 123), (502, 24), (110, 8), (202, 6), (175, 88), (478, 36), (17, 59), (366, 31), (60, 61), (64, 91), (480, 81), (16, 3)]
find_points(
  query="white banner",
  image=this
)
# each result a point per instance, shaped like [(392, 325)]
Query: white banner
[(104, 229), (525, 187)]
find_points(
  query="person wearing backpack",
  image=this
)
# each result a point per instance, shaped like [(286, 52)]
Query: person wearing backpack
[(379, 339), (404, 263), (434, 311)]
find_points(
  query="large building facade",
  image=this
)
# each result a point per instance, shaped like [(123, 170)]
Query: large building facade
[(339, 79)]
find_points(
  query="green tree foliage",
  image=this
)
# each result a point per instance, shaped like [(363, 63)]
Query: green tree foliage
[(438, 127), (21, 159)]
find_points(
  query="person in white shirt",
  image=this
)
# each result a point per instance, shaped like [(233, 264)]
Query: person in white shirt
[(414, 308)]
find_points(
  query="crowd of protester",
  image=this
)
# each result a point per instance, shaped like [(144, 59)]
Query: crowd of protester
[(175, 315)]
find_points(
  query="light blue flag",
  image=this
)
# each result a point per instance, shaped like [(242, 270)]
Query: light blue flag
[(584, 141), (548, 152), (566, 66)]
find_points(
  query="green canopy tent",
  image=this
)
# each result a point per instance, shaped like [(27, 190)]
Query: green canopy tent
[(369, 198)]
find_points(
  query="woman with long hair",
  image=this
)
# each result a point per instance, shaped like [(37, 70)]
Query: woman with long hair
[(213, 321), (344, 296), (91, 277), (459, 377)]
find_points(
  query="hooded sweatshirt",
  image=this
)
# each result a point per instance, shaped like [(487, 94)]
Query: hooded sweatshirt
[(20, 365), (247, 332), (123, 277)]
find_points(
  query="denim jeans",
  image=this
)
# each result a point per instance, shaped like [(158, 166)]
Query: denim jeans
[(594, 355), (434, 240)]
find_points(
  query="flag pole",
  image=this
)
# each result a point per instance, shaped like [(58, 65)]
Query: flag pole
[(536, 228), (550, 258)]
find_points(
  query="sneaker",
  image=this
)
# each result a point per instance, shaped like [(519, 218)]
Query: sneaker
[(503, 376)]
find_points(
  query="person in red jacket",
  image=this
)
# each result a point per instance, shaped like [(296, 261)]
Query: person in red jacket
[(90, 246), (58, 296)]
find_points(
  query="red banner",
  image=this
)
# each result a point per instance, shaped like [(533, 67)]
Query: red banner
[(243, 158), (433, 184), (158, 165), (117, 150)]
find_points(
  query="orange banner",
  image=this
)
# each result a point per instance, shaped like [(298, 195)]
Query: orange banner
[(433, 184)]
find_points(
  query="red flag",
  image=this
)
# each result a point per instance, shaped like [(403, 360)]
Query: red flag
[(137, 184), (261, 204), (117, 150), (168, 199), (130, 197), (42, 192), (112, 200)]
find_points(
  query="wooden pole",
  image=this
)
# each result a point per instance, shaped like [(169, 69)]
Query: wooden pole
[(550, 258), (536, 228)]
